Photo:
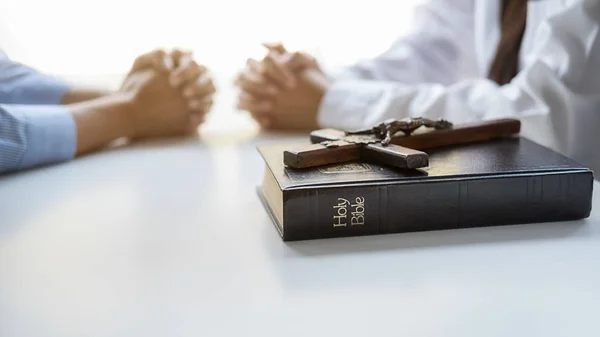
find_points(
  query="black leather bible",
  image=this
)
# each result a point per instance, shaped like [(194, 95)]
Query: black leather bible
[(505, 182)]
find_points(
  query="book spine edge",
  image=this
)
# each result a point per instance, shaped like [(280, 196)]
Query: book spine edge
[(412, 207)]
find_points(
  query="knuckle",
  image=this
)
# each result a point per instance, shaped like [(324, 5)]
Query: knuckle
[(255, 114), (251, 85), (140, 59), (158, 52), (244, 96), (253, 65), (262, 70), (269, 59), (298, 56), (211, 87), (193, 89), (195, 105), (198, 72), (188, 59), (194, 68), (237, 79), (241, 80), (275, 57), (186, 73)]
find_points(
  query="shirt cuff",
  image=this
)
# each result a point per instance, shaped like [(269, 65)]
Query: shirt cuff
[(349, 104), (51, 134)]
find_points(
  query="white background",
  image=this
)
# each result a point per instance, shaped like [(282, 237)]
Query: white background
[(94, 42)]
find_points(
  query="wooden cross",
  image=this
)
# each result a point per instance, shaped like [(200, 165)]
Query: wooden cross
[(383, 145)]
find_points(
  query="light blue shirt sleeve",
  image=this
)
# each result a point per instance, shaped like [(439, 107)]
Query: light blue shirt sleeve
[(20, 84), (34, 129), (33, 135)]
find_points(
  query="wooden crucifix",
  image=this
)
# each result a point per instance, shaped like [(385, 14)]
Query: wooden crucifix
[(394, 142)]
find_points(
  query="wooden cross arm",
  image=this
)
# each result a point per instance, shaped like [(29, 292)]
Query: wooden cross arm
[(427, 139), (395, 155), (403, 152), (318, 154)]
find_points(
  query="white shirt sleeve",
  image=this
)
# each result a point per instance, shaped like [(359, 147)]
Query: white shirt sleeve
[(561, 76), (439, 43)]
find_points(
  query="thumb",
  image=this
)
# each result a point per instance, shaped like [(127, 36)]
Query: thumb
[(276, 47), (180, 56), (300, 61)]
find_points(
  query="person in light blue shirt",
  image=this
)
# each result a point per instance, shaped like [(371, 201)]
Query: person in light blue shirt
[(34, 128), (44, 120)]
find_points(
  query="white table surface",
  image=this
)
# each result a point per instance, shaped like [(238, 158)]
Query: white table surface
[(168, 238)]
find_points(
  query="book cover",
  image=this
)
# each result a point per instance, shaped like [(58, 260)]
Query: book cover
[(503, 182)]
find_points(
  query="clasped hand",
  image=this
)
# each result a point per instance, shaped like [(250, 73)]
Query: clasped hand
[(170, 93), (283, 90)]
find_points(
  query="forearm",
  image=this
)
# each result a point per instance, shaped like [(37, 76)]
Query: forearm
[(361, 104), (34, 135), (101, 121), (78, 95)]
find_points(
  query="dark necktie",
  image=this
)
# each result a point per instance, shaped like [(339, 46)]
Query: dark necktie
[(506, 62)]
